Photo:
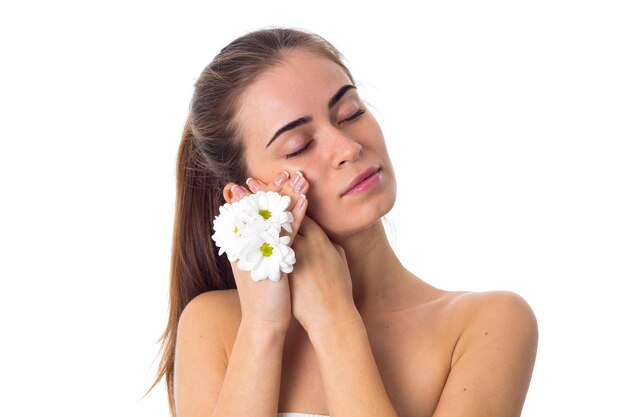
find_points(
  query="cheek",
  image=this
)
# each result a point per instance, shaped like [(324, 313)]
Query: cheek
[(319, 194), (323, 206), (262, 169)]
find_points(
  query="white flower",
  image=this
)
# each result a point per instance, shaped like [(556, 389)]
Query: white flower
[(249, 231), (266, 255), (268, 207), (228, 227)]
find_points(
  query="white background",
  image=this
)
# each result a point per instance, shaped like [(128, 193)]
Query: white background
[(506, 122)]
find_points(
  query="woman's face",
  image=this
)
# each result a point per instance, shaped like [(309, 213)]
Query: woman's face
[(304, 114)]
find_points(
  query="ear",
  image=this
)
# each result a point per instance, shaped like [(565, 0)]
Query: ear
[(227, 193)]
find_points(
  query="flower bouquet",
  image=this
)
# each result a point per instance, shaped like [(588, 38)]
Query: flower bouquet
[(248, 231)]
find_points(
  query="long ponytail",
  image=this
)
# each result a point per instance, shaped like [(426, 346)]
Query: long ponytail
[(193, 257)]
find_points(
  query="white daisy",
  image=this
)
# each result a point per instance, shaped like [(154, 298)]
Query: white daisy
[(249, 231), (268, 207), (266, 255), (228, 229)]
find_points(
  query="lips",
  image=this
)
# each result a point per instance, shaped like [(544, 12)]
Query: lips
[(360, 178)]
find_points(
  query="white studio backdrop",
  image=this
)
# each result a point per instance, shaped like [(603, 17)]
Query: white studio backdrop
[(506, 122)]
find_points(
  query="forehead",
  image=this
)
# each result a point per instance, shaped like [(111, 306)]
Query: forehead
[(300, 85)]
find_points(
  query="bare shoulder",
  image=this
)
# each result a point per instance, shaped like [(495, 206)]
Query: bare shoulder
[(493, 321), (212, 305), (499, 313), (493, 357), (213, 316), (494, 308)]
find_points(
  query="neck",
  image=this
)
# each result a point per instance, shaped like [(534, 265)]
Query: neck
[(378, 277)]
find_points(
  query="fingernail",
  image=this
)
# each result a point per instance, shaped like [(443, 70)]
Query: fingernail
[(237, 191), (295, 178), (300, 184), (253, 184), (301, 201), (282, 177)]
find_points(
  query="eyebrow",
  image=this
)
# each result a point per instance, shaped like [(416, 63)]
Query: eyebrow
[(306, 119)]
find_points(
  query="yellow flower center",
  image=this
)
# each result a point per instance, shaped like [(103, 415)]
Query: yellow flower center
[(266, 214), (266, 249), (236, 230)]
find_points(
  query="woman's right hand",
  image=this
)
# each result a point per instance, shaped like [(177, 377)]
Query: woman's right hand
[(268, 303)]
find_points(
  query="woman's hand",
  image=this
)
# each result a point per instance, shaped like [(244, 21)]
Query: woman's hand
[(321, 286), (268, 303)]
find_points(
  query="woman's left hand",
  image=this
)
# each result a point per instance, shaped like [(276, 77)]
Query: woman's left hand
[(320, 284)]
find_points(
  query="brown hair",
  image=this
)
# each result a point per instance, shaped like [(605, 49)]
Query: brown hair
[(209, 157)]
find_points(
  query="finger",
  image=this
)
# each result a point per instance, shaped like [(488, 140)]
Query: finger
[(256, 185), (294, 188), (298, 211), (233, 192), (297, 184), (285, 184)]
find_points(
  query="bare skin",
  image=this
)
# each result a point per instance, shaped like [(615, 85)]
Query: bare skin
[(350, 332)]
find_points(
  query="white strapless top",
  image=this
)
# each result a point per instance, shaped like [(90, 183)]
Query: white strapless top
[(299, 415)]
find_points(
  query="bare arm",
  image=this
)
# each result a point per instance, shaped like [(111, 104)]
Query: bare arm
[(491, 366), (322, 302), (352, 382), (207, 382)]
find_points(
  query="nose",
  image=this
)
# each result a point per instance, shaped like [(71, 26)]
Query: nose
[(344, 148)]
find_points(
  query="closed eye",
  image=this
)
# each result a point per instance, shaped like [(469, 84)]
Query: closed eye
[(299, 151), (354, 116)]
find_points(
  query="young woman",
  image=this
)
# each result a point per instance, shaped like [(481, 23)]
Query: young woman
[(350, 332)]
